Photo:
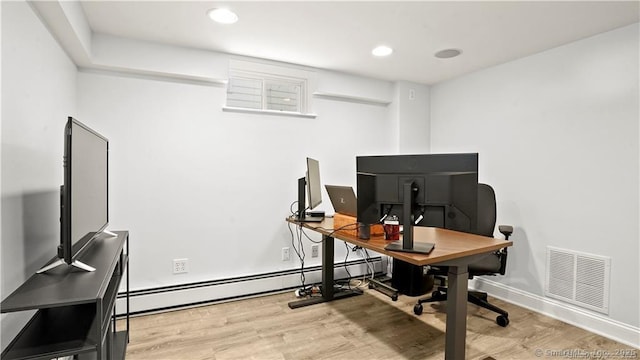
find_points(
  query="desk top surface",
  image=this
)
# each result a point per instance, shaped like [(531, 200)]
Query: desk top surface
[(449, 245)]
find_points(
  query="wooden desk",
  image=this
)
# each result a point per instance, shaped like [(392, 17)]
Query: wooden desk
[(452, 248)]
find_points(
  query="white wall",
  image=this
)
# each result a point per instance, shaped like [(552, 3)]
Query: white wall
[(38, 93), (188, 180), (411, 107), (557, 134), (191, 181)]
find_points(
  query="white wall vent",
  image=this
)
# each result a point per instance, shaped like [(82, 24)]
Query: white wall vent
[(578, 278)]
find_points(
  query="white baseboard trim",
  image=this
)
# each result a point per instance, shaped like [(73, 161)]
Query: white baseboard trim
[(582, 318), (186, 295), (153, 300)]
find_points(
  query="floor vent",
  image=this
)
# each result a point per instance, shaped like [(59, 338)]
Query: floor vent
[(579, 278)]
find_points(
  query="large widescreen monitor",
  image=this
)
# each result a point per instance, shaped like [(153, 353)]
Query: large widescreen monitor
[(439, 190)]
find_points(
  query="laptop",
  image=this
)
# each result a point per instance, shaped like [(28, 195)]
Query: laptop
[(343, 199)]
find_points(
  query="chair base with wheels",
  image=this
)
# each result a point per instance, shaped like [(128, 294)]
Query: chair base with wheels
[(475, 297)]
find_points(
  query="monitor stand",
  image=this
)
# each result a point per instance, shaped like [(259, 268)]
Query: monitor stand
[(417, 248), (407, 244), (312, 219), (59, 262)]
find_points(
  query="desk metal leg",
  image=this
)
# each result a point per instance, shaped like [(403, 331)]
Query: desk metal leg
[(328, 293), (456, 313), (327, 267)]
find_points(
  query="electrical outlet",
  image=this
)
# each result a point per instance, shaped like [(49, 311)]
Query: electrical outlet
[(180, 266), (285, 254), (314, 250)]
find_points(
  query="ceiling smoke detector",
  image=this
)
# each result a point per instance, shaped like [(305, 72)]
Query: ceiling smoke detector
[(448, 53)]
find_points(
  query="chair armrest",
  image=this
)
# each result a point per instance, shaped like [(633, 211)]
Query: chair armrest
[(506, 230)]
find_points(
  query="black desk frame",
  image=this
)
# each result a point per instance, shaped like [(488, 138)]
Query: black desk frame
[(328, 293)]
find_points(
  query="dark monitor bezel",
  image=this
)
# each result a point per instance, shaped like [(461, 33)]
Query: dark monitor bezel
[(72, 248)]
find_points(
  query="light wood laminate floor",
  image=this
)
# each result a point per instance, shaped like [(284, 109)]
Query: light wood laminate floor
[(370, 326)]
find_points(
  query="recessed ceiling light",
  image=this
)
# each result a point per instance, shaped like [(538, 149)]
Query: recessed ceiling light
[(382, 50), (448, 53), (223, 16)]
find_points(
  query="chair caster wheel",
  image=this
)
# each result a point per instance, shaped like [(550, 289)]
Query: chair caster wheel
[(417, 309), (371, 286), (394, 297), (502, 320)]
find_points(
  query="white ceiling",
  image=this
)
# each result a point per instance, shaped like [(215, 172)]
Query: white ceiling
[(339, 35)]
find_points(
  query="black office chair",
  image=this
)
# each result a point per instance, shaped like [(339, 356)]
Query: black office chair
[(490, 265)]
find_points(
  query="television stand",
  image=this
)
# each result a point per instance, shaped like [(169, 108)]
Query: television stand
[(109, 233), (60, 262), (75, 309)]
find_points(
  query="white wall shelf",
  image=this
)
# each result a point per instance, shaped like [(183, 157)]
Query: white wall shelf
[(350, 98), (268, 112), (155, 75)]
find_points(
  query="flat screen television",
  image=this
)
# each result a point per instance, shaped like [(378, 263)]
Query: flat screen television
[(84, 195), (439, 190)]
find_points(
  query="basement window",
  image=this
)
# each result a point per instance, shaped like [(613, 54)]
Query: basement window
[(271, 93)]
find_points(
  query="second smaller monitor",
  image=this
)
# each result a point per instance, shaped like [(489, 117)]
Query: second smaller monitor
[(313, 183), (309, 184)]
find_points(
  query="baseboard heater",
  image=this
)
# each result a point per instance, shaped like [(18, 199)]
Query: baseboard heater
[(222, 290)]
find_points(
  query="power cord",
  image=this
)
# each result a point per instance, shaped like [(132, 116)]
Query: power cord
[(346, 268), (306, 290), (293, 212), (299, 252)]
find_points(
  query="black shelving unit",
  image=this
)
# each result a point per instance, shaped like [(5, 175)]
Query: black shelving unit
[(76, 309)]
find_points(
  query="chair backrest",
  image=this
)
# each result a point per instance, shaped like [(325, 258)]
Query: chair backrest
[(489, 265), (486, 210)]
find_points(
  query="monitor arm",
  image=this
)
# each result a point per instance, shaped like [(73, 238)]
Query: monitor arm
[(409, 190)]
